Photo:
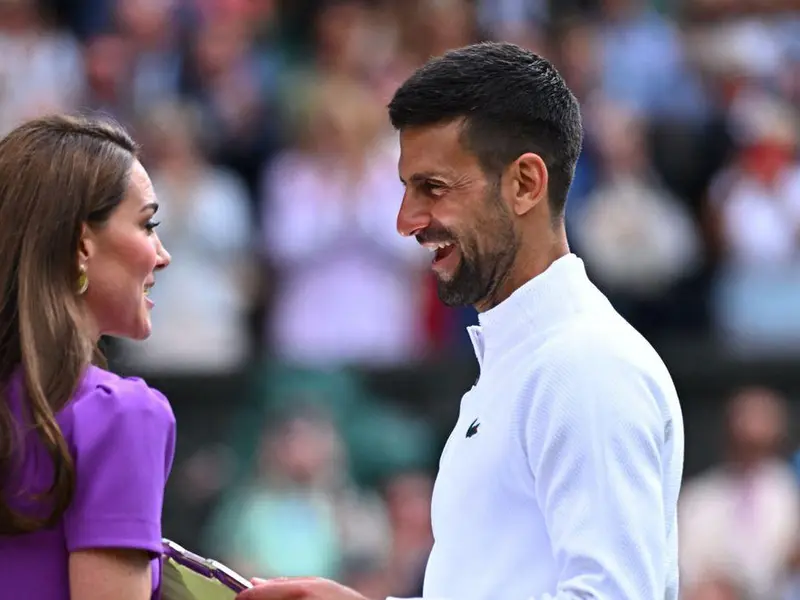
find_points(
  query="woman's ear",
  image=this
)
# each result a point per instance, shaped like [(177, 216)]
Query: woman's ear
[(86, 245)]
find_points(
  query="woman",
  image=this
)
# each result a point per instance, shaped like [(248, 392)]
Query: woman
[(84, 454)]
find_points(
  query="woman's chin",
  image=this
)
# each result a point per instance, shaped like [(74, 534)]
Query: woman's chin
[(141, 330), (145, 330)]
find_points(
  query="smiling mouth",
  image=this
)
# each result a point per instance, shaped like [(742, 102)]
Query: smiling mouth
[(147, 288), (440, 250)]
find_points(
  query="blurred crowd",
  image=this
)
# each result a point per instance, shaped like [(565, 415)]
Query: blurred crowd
[(263, 126)]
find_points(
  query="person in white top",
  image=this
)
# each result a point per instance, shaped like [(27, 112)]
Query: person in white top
[(560, 480)]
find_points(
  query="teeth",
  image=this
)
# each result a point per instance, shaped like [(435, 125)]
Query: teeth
[(435, 247)]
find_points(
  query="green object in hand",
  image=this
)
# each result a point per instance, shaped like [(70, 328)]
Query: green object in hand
[(180, 583)]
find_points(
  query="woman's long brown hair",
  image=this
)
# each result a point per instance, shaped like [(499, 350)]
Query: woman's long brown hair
[(57, 174)]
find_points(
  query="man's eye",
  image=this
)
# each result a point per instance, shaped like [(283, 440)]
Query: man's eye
[(433, 188)]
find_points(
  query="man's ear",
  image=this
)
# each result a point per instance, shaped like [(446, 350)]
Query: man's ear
[(86, 245), (530, 178)]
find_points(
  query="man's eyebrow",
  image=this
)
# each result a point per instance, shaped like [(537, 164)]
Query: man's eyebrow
[(418, 178)]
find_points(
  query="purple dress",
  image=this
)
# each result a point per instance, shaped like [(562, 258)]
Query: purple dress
[(122, 437)]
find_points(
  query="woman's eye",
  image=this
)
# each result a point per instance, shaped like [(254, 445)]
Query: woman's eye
[(151, 225)]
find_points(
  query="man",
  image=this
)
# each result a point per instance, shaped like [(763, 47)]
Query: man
[(561, 477)]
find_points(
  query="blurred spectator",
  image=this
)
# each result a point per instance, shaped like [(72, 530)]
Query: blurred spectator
[(152, 30), (408, 498), (299, 514), (640, 242), (756, 200), (518, 21), (741, 520), (343, 37), (349, 286), (578, 55), (357, 41), (758, 195), (381, 437), (41, 70), (400, 574), (201, 321), (108, 65), (444, 24), (644, 63), (234, 86)]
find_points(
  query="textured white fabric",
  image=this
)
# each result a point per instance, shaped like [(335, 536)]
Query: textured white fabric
[(569, 487)]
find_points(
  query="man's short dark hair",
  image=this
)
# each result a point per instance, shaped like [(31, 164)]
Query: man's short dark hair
[(512, 102)]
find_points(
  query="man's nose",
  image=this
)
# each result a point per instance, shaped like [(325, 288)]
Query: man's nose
[(412, 217)]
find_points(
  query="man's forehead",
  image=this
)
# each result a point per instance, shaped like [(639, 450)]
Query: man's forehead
[(432, 150)]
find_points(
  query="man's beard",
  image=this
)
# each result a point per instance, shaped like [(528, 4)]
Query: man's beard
[(479, 275)]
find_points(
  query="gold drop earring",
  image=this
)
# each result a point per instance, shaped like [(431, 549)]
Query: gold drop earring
[(83, 280)]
